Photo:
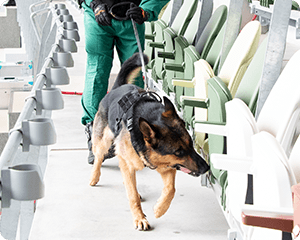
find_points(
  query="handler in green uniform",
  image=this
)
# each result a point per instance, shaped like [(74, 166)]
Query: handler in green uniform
[(108, 25)]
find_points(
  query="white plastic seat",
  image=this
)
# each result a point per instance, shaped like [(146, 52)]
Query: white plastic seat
[(272, 188), (273, 178)]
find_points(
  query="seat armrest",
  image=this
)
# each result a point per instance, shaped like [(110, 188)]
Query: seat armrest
[(176, 67), (231, 163), (279, 218), (211, 128), (157, 45), (149, 36), (184, 83), (168, 55), (194, 102)]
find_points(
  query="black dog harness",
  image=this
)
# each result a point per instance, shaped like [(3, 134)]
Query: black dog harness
[(125, 105)]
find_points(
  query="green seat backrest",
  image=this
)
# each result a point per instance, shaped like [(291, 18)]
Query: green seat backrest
[(191, 29), (167, 13), (184, 16), (193, 53), (211, 30), (218, 94), (214, 53)]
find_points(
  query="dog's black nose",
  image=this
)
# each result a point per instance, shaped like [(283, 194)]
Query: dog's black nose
[(204, 168)]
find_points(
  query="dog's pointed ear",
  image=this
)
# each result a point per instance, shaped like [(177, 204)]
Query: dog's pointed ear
[(169, 109), (146, 129)]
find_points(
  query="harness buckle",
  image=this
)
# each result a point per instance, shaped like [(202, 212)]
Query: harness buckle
[(130, 124)]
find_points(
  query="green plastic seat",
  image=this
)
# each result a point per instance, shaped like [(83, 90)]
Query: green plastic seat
[(175, 44), (247, 91), (178, 26), (208, 46), (150, 30), (156, 36)]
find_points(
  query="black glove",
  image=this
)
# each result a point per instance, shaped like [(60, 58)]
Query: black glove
[(101, 13), (137, 14), (80, 3)]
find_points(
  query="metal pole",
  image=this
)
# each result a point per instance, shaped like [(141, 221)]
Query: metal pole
[(232, 27), (275, 50)]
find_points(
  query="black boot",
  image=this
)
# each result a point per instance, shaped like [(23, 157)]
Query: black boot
[(10, 3), (88, 132)]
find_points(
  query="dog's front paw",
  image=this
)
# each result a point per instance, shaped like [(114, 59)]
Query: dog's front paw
[(94, 179), (141, 224), (160, 209)]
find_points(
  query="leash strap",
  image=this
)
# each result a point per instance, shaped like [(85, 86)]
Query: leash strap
[(141, 54)]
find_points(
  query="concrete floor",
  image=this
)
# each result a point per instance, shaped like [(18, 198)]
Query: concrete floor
[(71, 209)]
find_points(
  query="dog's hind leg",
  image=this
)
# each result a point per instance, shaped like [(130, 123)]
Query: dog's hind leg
[(100, 149), (163, 203), (139, 220)]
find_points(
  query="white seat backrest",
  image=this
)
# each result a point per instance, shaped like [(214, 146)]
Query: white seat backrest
[(182, 15), (272, 173), (241, 126), (283, 101), (294, 160), (272, 179), (240, 55)]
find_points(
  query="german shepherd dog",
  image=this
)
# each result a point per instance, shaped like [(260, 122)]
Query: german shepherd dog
[(135, 126)]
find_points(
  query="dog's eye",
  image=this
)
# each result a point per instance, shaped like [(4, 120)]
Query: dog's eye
[(179, 153)]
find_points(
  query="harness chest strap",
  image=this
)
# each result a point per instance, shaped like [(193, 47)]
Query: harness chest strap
[(126, 103)]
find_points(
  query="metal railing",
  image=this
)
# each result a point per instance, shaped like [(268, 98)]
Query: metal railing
[(49, 38)]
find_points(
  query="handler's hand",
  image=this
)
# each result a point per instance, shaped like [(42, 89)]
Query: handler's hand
[(101, 13), (137, 14)]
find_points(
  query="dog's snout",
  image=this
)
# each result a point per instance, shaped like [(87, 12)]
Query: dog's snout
[(203, 167)]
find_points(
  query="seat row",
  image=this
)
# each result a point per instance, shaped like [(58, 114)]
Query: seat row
[(218, 103)]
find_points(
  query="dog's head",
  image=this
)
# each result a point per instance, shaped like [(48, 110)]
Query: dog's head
[(169, 144)]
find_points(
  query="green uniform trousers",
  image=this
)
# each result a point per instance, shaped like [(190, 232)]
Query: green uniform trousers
[(99, 44)]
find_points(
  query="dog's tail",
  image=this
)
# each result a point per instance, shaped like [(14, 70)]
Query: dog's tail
[(129, 70)]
